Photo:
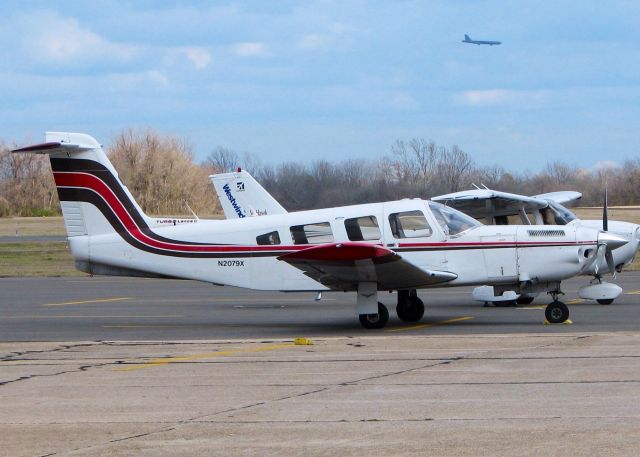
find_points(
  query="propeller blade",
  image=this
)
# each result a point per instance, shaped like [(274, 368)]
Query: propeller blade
[(599, 257), (609, 257), (605, 211)]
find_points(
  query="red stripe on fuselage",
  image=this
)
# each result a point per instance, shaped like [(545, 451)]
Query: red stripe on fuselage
[(95, 184), (91, 182)]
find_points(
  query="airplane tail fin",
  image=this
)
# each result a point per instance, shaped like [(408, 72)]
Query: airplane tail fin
[(467, 38), (93, 199), (241, 196)]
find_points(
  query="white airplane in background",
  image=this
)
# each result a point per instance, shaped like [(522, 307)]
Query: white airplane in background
[(490, 206), (500, 208), (240, 193), (391, 246)]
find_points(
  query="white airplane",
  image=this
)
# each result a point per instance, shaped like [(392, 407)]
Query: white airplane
[(399, 246), (493, 207), (500, 208)]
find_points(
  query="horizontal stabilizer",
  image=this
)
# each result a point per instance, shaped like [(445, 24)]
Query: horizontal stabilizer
[(54, 147), (342, 266)]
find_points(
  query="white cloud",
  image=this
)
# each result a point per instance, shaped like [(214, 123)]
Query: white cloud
[(312, 41), (53, 38), (157, 77), (250, 49), (605, 165), (200, 57), (500, 97)]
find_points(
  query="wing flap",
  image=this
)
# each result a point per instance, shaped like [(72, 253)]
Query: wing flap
[(341, 266)]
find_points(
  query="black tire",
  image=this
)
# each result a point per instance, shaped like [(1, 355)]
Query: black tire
[(410, 310), (375, 320), (556, 312), (525, 299), (504, 304), (605, 301)]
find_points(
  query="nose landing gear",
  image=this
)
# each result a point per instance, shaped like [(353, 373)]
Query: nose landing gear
[(556, 312)]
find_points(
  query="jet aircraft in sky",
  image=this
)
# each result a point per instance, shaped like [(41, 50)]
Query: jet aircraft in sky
[(467, 39)]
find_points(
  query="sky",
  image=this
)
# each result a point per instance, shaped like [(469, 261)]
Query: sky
[(308, 80)]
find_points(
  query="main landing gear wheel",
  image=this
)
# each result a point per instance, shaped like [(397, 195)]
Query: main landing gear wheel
[(556, 312), (375, 320), (411, 309), (606, 301)]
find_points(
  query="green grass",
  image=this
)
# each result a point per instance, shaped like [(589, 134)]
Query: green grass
[(37, 259), (32, 226)]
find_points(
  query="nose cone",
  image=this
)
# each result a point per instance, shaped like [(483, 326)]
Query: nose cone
[(612, 240)]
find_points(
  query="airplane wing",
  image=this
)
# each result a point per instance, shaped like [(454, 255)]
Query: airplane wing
[(564, 197), (341, 266), (478, 203)]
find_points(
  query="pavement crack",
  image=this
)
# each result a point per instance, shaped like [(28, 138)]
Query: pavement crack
[(49, 375), (16, 355)]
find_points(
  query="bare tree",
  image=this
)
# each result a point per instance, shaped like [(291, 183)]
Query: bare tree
[(161, 173)]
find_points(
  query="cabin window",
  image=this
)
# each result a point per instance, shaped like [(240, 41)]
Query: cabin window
[(410, 224), (362, 228), (317, 233), (268, 238)]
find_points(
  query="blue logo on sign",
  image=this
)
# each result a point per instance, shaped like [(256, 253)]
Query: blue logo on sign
[(232, 200)]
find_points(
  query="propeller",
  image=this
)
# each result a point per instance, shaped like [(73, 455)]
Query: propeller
[(607, 242), (604, 252), (605, 211)]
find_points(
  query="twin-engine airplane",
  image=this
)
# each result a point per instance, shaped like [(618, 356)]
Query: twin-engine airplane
[(398, 246)]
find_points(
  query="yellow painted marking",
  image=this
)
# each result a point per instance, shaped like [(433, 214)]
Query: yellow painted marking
[(101, 300), (533, 307), (575, 301), (303, 342), (433, 324), (208, 355), (567, 322), (633, 292)]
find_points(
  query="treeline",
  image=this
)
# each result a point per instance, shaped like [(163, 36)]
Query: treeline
[(162, 174)]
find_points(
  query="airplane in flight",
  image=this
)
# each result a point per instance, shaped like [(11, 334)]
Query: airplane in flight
[(486, 205), (468, 39), (400, 246)]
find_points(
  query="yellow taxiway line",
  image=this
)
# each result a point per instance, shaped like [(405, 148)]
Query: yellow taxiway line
[(633, 292), (433, 324), (207, 355), (100, 300)]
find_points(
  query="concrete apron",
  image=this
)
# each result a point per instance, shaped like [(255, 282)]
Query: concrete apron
[(524, 395)]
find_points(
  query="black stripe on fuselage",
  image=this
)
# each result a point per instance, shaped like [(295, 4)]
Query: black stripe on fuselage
[(91, 197), (101, 172)]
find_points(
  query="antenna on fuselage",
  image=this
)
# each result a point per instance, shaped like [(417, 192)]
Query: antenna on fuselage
[(192, 211)]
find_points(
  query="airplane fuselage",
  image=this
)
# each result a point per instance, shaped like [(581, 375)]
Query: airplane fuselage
[(226, 251)]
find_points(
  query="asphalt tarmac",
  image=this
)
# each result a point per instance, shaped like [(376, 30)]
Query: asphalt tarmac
[(115, 366), (109, 308)]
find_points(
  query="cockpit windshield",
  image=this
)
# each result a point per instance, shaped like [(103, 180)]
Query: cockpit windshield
[(452, 221), (556, 214)]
